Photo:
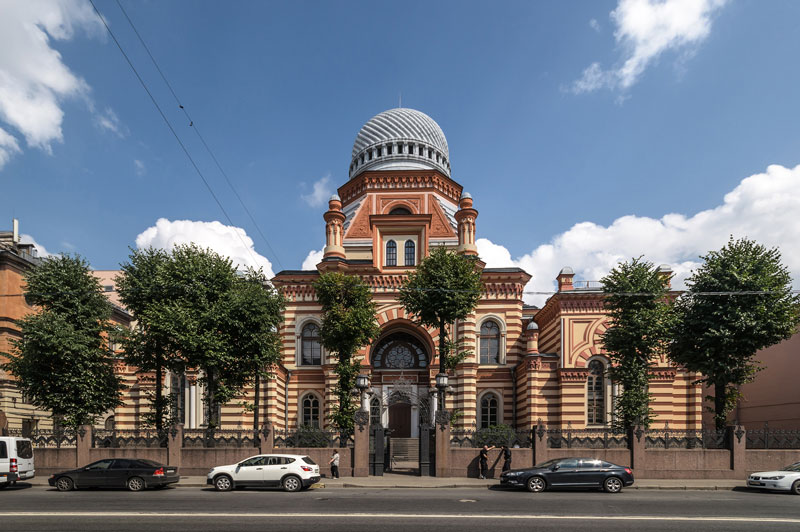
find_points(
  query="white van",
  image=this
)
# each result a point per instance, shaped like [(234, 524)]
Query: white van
[(16, 460)]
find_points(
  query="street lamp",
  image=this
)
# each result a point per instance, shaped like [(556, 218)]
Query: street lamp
[(441, 386), (362, 383)]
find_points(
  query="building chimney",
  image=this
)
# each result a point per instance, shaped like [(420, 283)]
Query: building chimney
[(565, 279), (532, 331), (665, 271), (15, 231)]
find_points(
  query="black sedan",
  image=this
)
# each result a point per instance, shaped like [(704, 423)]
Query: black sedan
[(570, 473), (135, 474)]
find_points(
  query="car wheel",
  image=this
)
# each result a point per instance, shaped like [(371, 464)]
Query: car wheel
[(292, 483), (612, 485), (135, 484), (796, 487), (65, 484), (223, 483), (536, 484)]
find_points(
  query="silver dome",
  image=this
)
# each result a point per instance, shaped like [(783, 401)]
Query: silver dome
[(400, 139)]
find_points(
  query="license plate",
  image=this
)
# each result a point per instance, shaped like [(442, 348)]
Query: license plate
[(170, 470), (756, 483)]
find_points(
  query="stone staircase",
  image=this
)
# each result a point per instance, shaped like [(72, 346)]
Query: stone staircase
[(404, 453)]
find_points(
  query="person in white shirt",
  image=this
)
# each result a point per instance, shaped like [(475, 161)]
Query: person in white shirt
[(334, 463)]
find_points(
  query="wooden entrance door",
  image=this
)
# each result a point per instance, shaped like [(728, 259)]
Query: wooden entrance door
[(400, 420)]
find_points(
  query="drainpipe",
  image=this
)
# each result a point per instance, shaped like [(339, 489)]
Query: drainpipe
[(286, 401), (514, 395)]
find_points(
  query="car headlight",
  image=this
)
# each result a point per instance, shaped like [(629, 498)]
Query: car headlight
[(773, 478), (512, 473)]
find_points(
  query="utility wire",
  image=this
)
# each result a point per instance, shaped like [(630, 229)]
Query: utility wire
[(193, 125), (172, 130)]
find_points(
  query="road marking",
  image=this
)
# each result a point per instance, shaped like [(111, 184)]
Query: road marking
[(327, 515)]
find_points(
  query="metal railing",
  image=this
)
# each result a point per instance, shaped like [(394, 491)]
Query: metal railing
[(492, 436), (591, 438), (686, 439), (767, 438), (312, 438), (236, 438), (53, 438), (119, 438)]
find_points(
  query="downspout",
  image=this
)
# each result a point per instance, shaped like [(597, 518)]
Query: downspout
[(514, 395), (286, 401)]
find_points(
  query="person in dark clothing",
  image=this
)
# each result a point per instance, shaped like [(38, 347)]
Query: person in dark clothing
[(484, 461), (506, 458)]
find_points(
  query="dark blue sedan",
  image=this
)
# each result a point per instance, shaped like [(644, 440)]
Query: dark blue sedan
[(570, 473)]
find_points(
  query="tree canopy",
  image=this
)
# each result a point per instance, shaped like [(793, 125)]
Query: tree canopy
[(738, 301), (639, 317), (349, 323), (62, 361)]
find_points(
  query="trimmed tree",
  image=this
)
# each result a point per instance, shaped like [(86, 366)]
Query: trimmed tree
[(445, 287), (145, 292), (639, 314), (62, 362), (348, 323), (738, 301)]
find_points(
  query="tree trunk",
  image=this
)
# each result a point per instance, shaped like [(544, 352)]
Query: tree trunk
[(719, 405), (257, 403), (159, 398), (442, 361)]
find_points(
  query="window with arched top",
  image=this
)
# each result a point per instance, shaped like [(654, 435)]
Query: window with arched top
[(400, 210), (375, 412), (109, 423), (490, 343), (411, 253), (310, 347), (489, 410), (596, 392), (391, 253), (399, 350), (310, 410)]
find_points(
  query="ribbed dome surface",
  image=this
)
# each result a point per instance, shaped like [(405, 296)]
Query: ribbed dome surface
[(400, 139)]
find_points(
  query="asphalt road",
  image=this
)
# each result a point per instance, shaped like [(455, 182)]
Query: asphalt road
[(195, 509)]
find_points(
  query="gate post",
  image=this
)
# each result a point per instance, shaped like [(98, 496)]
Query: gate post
[(175, 445), (442, 443), (424, 451), (266, 439), (377, 457), (83, 444), (361, 444)]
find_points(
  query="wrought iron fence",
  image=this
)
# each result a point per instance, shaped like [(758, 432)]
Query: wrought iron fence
[(237, 438), (54, 438), (118, 438), (312, 438), (686, 439), (492, 436), (600, 438), (767, 438)]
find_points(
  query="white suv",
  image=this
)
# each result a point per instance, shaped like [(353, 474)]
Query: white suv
[(292, 472)]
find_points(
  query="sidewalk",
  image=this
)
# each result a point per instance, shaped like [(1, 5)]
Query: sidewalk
[(395, 481)]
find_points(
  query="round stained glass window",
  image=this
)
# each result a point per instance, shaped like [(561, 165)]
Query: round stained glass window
[(399, 357), (399, 351)]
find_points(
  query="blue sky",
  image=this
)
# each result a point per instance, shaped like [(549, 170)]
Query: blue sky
[(568, 163)]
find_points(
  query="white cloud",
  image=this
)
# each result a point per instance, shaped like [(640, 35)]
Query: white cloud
[(320, 194), (109, 121), (312, 259), (33, 78), (139, 167), (644, 30), (40, 249), (762, 207), (8, 147), (226, 240), (594, 25)]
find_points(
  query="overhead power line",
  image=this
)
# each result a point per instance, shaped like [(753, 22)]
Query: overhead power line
[(172, 129), (194, 126)]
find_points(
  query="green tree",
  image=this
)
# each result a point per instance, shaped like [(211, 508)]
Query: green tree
[(62, 362), (219, 321), (348, 324), (738, 301), (144, 291), (445, 287), (639, 315)]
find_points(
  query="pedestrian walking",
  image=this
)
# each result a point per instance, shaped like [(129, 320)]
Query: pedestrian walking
[(506, 458), (484, 460), (334, 463)]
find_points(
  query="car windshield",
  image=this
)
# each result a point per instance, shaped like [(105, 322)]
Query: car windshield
[(792, 467), (547, 464)]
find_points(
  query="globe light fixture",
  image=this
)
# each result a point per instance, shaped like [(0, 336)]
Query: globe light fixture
[(362, 382)]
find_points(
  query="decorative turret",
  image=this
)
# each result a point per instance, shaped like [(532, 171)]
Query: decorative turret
[(665, 271), (334, 220), (564, 279), (465, 216), (532, 333)]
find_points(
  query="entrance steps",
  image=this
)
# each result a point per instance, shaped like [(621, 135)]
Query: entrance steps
[(404, 450)]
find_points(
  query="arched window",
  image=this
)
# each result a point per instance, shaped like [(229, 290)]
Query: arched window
[(490, 343), (489, 410), (399, 351), (375, 412), (596, 393), (411, 253), (391, 253), (310, 406), (399, 210), (109, 423), (311, 351)]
